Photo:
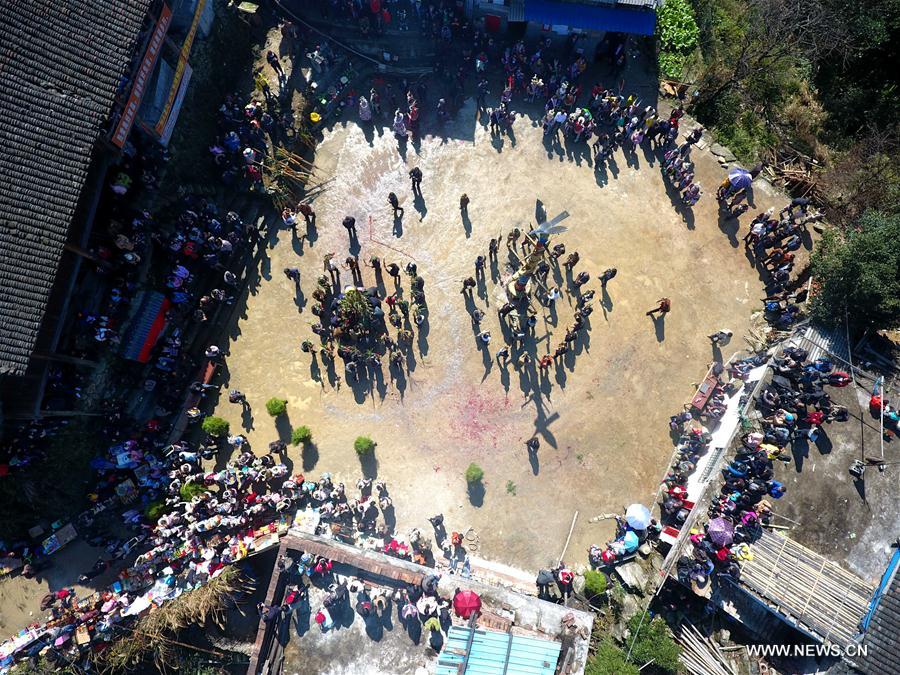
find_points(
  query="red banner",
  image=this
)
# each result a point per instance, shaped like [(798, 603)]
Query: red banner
[(142, 77)]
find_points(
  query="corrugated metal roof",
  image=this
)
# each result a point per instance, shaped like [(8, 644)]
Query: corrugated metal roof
[(592, 17), (495, 653)]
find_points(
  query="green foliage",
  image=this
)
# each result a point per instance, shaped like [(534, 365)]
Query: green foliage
[(858, 273), (594, 584), (617, 597), (511, 488), (654, 643), (300, 435), (671, 64), (474, 473), (609, 660), (190, 490), (678, 36), (676, 26), (364, 446), (355, 308), (276, 406), (215, 426), (155, 510)]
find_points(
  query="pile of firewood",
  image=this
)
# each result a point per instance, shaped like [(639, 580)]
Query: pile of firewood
[(797, 173)]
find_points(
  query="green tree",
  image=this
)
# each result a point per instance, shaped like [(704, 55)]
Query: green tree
[(474, 473), (215, 426), (301, 434), (654, 643), (857, 274), (609, 660), (276, 406), (364, 446)]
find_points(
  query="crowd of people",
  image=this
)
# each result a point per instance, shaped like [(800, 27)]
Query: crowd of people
[(793, 407)]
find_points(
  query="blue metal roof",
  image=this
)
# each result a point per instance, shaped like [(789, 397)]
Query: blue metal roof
[(591, 17), (494, 653)]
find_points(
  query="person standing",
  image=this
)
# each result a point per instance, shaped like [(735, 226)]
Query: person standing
[(350, 224), (308, 214), (275, 62), (464, 203), (415, 175), (607, 275), (721, 337), (664, 306), (395, 204)]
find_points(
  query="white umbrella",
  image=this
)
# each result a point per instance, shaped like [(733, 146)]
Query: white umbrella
[(637, 516)]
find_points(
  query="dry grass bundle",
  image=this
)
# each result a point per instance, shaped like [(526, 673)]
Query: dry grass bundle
[(155, 632)]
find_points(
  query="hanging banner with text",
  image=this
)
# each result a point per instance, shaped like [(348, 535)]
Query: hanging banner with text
[(142, 77), (179, 70)]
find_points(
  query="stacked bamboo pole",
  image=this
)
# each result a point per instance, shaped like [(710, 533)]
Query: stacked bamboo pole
[(701, 655)]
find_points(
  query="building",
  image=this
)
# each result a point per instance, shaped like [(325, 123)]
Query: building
[(78, 78), (636, 17)]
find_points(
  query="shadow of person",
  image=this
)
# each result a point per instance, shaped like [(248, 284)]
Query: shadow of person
[(659, 325), (495, 269), (247, 418), (283, 427), (605, 300), (397, 229), (467, 224), (716, 352), (419, 206), (535, 462), (368, 130)]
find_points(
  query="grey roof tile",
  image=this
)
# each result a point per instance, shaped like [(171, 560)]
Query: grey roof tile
[(60, 65)]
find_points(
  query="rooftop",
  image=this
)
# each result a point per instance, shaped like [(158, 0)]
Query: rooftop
[(527, 625), (55, 95)]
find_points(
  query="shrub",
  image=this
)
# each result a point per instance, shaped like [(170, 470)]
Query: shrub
[(678, 36), (190, 490), (301, 435), (594, 584), (609, 660), (364, 446), (215, 426), (654, 643), (474, 473), (276, 406)]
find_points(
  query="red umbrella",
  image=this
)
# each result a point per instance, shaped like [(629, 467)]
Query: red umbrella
[(465, 603)]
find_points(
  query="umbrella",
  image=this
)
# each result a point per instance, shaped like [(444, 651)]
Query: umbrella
[(720, 532), (637, 516), (631, 541), (465, 603), (739, 178)]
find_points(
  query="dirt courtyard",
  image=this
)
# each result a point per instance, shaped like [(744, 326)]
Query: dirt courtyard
[(601, 414)]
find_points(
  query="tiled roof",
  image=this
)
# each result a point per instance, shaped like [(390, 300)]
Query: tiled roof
[(883, 657), (60, 64)]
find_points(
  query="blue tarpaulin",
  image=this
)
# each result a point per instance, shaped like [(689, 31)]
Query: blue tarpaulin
[(591, 17)]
